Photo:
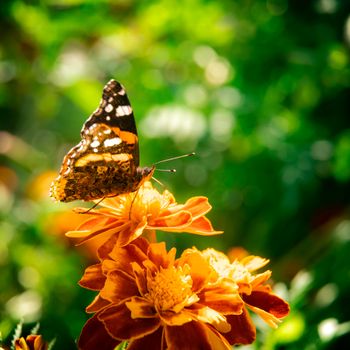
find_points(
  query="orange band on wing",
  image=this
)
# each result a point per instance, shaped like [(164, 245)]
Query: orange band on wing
[(108, 157)]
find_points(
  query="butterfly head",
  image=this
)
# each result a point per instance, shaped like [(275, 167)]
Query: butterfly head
[(144, 174)]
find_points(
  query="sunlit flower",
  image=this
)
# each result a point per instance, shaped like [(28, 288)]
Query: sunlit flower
[(126, 217), (31, 342), (154, 301), (256, 294)]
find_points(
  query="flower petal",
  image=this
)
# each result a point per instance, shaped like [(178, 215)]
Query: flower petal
[(223, 297), (95, 336), (200, 269), (177, 220), (176, 318), (152, 341), (106, 247), (93, 278), (122, 257), (268, 302), (216, 319), (253, 262), (103, 227), (140, 276), (119, 323), (158, 254), (202, 226), (260, 278), (21, 344), (270, 319), (197, 206), (242, 329), (217, 340), (97, 304), (140, 308), (39, 342), (91, 220), (131, 232), (118, 286), (191, 335)]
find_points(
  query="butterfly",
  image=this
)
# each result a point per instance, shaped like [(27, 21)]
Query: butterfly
[(105, 163)]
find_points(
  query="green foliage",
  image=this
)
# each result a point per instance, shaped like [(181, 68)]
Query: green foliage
[(258, 89)]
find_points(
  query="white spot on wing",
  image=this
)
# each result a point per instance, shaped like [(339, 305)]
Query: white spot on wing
[(93, 126), (94, 144), (109, 108), (108, 118), (81, 146), (121, 92), (123, 110), (107, 131), (112, 142)]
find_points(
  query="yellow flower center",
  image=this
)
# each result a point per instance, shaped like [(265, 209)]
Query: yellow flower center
[(239, 272), (170, 289)]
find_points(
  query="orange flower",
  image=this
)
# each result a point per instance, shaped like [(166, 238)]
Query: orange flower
[(126, 217), (155, 301), (32, 342), (257, 295)]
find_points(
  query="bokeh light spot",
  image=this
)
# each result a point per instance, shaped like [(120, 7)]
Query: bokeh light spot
[(196, 174), (28, 277), (26, 306), (326, 295), (277, 7), (175, 121), (321, 150)]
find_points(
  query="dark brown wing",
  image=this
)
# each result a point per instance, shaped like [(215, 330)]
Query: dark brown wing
[(105, 161), (116, 113)]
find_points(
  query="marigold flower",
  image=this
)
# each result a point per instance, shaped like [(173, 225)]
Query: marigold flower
[(31, 342), (155, 301), (126, 217), (257, 296)]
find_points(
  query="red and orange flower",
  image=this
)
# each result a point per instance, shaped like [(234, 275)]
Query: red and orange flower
[(31, 342), (256, 295), (124, 218), (155, 301)]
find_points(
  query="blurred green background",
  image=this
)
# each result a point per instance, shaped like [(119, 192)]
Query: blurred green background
[(260, 90)]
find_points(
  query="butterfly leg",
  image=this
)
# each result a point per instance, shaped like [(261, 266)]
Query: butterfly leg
[(93, 207), (132, 203)]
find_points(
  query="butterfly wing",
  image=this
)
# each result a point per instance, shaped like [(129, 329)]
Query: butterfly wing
[(105, 161), (115, 113)]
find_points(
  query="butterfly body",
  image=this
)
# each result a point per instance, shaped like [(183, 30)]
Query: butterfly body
[(106, 161)]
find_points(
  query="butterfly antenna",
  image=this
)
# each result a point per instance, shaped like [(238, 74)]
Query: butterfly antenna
[(174, 158), (166, 170)]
